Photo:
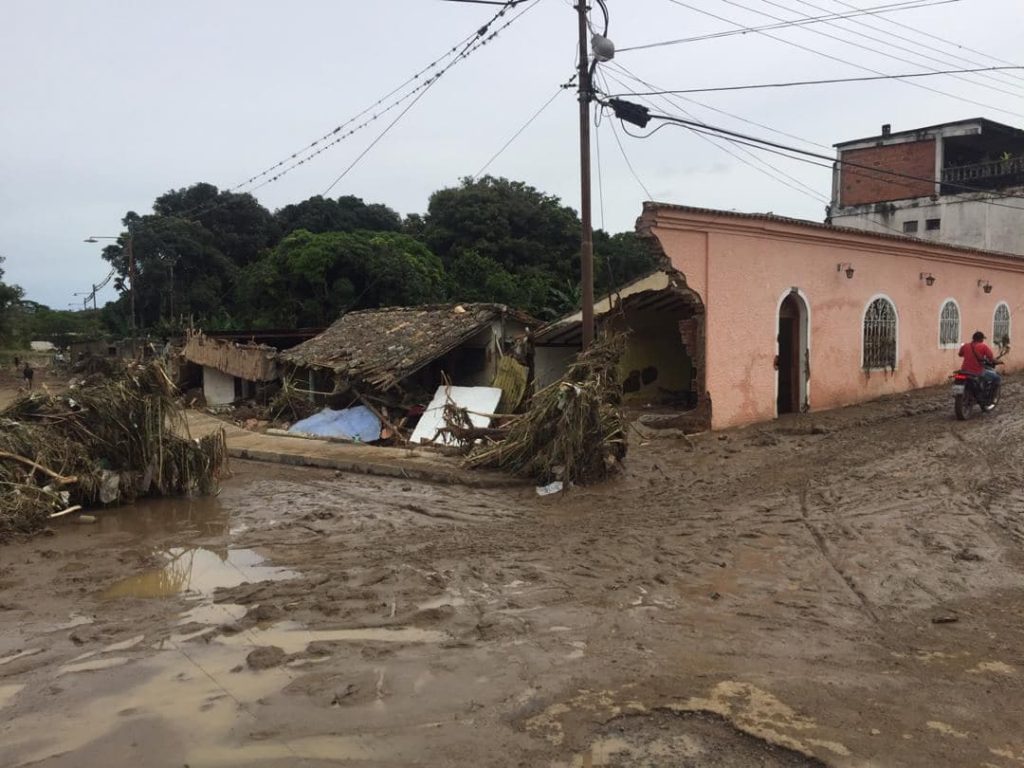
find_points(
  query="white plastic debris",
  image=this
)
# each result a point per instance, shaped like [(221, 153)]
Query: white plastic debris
[(550, 488)]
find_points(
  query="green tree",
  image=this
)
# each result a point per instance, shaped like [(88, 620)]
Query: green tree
[(509, 222), (346, 214), (10, 298), (620, 259), (310, 278), (240, 228), (179, 272)]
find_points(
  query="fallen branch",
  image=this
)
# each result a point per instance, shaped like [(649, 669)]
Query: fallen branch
[(61, 480), (67, 511)]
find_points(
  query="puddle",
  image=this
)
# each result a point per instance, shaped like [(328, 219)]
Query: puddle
[(294, 638), (198, 571), (20, 655), (146, 518), (7, 694)]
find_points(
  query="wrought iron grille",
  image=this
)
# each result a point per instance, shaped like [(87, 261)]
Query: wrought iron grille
[(949, 324), (880, 335), (1001, 326)]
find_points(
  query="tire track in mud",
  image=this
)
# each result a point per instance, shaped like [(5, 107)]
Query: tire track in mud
[(833, 562)]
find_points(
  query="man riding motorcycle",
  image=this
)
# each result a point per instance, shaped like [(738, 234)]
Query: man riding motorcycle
[(979, 360)]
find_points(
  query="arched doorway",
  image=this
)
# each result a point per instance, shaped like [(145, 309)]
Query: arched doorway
[(792, 360)]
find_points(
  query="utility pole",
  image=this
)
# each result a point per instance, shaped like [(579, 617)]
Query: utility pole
[(587, 241)]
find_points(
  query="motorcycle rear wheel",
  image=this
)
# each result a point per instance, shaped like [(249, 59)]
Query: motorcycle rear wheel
[(962, 405)]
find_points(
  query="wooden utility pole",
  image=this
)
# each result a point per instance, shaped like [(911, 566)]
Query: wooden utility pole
[(587, 242)]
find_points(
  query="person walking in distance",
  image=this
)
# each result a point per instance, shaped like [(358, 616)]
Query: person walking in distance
[(28, 373)]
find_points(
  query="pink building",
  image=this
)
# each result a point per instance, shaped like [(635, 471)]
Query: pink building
[(790, 315), (757, 315)]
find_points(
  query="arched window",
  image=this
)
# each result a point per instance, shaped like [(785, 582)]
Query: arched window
[(1001, 326), (949, 324), (880, 334)]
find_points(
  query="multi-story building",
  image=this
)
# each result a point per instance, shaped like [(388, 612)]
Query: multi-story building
[(960, 183)]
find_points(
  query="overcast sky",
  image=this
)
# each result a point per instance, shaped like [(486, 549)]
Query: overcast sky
[(107, 104)]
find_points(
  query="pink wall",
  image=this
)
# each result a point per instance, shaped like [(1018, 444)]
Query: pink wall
[(743, 266)]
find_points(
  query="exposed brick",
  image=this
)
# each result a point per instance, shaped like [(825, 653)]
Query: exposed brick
[(859, 186)]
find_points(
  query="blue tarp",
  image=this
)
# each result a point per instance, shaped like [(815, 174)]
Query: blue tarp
[(358, 423)]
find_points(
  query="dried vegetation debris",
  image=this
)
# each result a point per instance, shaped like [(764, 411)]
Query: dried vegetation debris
[(573, 430), (108, 439)]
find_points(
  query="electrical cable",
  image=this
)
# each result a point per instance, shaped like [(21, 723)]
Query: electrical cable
[(518, 133), (946, 62), (771, 171), (478, 43), (942, 40), (945, 47), (877, 10), (628, 73), (757, 142), (828, 55), (831, 81), (312, 145)]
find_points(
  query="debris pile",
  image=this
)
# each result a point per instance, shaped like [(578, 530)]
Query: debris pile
[(107, 440), (574, 430)]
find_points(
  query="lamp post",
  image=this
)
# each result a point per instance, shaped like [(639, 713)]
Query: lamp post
[(131, 272)]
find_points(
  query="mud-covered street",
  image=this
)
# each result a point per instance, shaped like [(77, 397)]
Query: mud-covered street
[(840, 589)]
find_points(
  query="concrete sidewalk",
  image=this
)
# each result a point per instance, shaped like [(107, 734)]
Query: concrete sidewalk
[(304, 452)]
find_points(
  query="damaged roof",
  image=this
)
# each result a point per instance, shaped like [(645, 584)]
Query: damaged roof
[(383, 346)]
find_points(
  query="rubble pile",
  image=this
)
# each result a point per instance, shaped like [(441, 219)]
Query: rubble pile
[(573, 431), (109, 439)]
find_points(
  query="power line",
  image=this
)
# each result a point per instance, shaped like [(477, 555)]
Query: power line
[(942, 40), (702, 105), (944, 61), (795, 83), (771, 171), (828, 55), (336, 135), (877, 10), (946, 44), (755, 141), (518, 133), (480, 40)]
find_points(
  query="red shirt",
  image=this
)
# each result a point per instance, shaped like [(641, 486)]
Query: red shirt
[(973, 353)]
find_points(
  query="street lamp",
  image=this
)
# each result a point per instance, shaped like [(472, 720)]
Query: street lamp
[(131, 271)]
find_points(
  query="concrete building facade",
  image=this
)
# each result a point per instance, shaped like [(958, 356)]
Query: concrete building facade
[(794, 315), (960, 183)]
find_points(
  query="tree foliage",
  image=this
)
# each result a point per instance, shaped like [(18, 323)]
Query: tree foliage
[(310, 278), (10, 297), (221, 260)]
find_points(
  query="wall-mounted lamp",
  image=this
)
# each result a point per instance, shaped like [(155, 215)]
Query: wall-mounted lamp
[(928, 278), (985, 285), (845, 267)]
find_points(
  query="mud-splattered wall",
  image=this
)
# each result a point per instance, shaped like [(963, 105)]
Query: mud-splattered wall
[(655, 366)]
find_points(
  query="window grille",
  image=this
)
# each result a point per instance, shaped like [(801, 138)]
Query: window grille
[(949, 324), (880, 335), (1001, 326)]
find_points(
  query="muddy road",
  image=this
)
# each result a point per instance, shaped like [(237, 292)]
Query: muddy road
[(839, 589)]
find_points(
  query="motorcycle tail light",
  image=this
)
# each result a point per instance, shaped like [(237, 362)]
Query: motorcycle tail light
[(959, 377)]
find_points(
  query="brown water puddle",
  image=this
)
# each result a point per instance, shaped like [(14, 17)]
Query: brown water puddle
[(198, 571)]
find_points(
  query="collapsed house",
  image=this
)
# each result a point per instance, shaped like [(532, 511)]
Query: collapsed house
[(234, 365), (397, 357), (661, 318)]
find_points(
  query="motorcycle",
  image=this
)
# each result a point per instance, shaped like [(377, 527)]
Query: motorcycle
[(970, 389)]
